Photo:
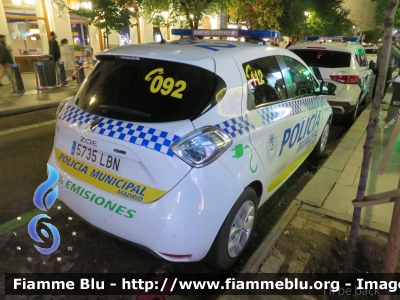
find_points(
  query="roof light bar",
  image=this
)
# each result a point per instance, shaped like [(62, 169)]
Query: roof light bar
[(333, 38), (228, 33)]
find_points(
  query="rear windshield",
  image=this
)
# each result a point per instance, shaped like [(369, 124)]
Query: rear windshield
[(147, 90), (371, 51), (324, 58)]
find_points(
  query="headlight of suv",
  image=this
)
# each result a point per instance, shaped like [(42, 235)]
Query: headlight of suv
[(202, 146)]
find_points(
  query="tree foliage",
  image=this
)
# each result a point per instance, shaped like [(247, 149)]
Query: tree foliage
[(192, 10), (314, 17), (257, 14), (107, 14), (380, 13)]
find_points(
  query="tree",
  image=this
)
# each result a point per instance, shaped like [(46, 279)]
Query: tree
[(257, 14), (191, 10), (373, 35), (107, 15), (373, 122), (380, 13), (314, 17)]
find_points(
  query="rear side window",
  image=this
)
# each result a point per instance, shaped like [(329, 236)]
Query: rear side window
[(324, 58), (303, 81), (264, 81), (147, 90), (361, 57)]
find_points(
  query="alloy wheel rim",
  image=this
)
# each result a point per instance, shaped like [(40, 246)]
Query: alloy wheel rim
[(241, 229), (324, 138)]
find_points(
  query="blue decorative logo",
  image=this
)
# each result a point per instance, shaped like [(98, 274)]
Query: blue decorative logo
[(49, 201)]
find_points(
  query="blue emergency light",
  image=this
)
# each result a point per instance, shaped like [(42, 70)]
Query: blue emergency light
[(259, 34)]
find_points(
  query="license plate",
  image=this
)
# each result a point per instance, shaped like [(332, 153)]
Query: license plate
[(97, 157)]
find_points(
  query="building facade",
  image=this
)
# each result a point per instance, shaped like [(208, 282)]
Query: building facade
[(362, 14)]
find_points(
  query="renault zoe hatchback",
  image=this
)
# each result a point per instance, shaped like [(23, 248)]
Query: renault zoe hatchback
[(175, 146)]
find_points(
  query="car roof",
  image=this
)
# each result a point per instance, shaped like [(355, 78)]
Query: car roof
[(334, 46), (190, 50)]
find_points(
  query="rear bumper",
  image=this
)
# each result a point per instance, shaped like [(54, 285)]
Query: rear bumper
[(342, 110), (349, 94), (185, 221)]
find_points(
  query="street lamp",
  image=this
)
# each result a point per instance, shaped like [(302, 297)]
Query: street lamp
[(306, 13)]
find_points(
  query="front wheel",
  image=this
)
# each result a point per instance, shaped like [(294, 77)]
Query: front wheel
[(235, 233), (321, 144)]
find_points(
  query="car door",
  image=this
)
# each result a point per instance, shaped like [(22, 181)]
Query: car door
[(268, 114), (363, 71), (303, 88)]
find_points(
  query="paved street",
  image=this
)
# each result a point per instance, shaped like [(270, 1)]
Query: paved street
[(26, 142)]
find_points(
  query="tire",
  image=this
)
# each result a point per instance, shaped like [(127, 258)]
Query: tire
[(321, 144), (222, 254), (352, 116)]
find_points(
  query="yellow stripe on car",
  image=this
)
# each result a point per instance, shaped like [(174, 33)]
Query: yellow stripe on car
[(107, 181), (285, 173)]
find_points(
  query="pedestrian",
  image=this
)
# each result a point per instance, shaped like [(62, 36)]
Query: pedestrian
[(282, 44), (292, 41), (6, 58), (54, 47), (66, 57), (394, 57), (275, 43)]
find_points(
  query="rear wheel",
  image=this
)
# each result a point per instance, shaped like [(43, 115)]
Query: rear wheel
[(352, 116), (321, 144), (235, 233)]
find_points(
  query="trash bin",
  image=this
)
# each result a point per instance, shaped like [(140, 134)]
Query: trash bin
[(81, 72), (46, 71), (18, 84), (61, 73)]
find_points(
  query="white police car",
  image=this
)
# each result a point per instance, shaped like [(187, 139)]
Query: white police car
[(372, 53), (343, 63), (174, 146)]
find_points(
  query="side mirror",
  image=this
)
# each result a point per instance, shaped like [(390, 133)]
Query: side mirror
[(327, 88)]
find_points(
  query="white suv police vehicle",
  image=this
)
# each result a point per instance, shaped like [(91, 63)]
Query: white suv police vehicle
[(174, 146), (343, 63), (372, 53)]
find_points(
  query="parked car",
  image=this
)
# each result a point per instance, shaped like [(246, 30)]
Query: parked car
[(372, 52), (174, 146), (344, 64)]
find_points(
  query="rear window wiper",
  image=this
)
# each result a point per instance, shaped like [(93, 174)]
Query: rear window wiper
[(123, 110)]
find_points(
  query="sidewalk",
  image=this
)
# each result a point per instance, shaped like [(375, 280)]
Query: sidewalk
[(311, 236), (12, 103)]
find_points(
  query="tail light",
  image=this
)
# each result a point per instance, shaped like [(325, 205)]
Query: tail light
[(345, 78), (202, 146)]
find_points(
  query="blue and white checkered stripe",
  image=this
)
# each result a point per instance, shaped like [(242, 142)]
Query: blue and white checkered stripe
[(234, 127), (150, 138), (238, 126)]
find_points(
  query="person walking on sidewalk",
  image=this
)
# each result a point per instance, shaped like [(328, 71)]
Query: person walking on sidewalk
[(66, 57), (394, 56), (5, 58), (54, 47)]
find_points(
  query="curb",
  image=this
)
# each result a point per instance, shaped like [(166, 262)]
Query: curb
[(21, 110), (254, 262)]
